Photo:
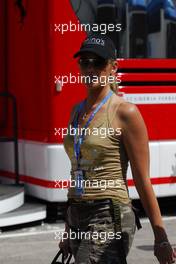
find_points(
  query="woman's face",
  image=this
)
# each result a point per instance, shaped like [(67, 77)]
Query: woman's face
[(95, 71)]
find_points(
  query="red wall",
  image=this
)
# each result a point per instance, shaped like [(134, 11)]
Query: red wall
[(28, 68), (36, 54)]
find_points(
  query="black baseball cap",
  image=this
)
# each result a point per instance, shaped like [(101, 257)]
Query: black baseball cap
[(99, 44)]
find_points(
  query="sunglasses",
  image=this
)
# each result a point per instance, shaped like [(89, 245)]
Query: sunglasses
[(95, 63)]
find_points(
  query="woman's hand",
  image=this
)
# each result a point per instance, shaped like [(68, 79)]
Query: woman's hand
[(164, 253), (64, 246), (64, 243)]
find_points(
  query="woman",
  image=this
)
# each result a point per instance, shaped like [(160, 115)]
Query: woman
[(95, 209)]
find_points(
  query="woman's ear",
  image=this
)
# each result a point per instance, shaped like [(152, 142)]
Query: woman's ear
[(114, 66)]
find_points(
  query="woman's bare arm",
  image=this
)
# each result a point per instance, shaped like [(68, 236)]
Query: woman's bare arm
[(135, 138)]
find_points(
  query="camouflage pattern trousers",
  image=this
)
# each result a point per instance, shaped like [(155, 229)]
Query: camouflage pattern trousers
[(92, 234)]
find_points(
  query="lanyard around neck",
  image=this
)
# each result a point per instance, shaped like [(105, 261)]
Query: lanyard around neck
[(79, 140)]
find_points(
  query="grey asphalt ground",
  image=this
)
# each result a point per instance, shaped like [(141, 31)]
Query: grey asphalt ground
[(39, 244)]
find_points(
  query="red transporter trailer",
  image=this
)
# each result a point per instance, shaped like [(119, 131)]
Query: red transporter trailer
[(38, 55)]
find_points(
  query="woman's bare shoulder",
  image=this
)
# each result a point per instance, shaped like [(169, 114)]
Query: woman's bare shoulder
[(125, 109), (129, 116)]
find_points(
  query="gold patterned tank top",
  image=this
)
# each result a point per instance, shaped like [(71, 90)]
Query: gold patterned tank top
[(103, 159)]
